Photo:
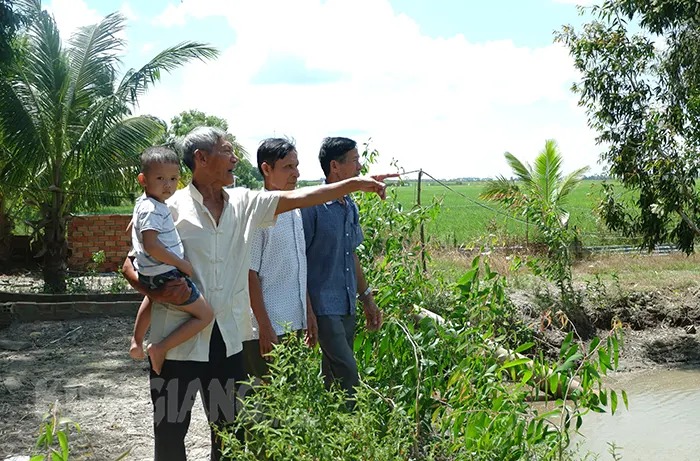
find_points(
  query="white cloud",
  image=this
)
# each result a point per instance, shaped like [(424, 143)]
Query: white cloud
[(177, 14), (71, 15), (447, 105), (128, 12)]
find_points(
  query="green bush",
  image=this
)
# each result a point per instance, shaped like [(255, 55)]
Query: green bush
[(293, 417), (455, 387)]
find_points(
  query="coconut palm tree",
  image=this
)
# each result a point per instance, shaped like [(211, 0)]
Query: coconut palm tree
[(539, 192), (67, 125)]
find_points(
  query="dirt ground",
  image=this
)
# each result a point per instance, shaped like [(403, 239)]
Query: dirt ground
[(84, 365), (661, 328)]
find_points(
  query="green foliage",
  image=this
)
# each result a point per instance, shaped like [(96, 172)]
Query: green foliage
[(247, 175), (539, 190), (89, 282), (293, 417), (12, 19), (80, 284), (53, 436), (188, 120), (455, 386), (391, 247), (69, 138), (643, 100), (539, 194), (52, 442)]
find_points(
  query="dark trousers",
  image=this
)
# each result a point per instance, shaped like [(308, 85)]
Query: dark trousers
[(336, 335), (255, 364), (173, 393)]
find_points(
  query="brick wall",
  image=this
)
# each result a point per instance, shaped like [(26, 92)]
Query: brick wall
[(90, 234)]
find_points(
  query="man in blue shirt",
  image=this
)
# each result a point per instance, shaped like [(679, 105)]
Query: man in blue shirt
[(335, 279)]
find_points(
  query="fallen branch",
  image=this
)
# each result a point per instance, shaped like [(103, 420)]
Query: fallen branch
[(66, 335), (503, 355)]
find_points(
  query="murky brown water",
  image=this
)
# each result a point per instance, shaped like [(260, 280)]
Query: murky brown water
[(662, 423)]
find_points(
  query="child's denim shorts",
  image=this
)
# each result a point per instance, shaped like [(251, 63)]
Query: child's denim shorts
[(156, 282)]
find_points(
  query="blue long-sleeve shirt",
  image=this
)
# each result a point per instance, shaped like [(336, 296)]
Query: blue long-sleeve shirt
[(332, 232)]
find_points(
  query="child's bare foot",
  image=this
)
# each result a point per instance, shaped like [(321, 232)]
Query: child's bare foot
[(157, 356), (136, 350)]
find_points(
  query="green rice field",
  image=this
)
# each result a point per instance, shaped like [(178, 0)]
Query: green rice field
[(464, 219)]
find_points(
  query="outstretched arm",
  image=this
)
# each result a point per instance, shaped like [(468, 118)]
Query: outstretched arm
[(316, 195)]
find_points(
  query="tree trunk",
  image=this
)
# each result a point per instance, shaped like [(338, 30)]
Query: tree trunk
[(55, 246)]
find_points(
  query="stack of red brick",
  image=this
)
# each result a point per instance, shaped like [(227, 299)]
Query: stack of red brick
[(89, 234)]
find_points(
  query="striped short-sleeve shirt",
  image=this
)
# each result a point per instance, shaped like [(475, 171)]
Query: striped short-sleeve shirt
[(278, 255), (150, 214)]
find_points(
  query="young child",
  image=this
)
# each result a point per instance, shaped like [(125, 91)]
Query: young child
[(159, 254)]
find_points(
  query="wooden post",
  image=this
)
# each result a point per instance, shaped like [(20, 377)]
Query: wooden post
[(422, 228), (527, 232)]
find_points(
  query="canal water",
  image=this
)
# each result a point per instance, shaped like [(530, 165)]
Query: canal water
[(662, 423)]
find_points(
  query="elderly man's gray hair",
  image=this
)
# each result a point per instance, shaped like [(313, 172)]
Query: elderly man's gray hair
[(202, 137)]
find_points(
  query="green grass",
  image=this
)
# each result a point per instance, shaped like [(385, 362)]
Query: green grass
[(464, 219)]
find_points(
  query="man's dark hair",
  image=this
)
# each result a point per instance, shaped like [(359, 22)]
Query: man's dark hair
[(202, 137), (158, 154), (273, 149), (334, 149)]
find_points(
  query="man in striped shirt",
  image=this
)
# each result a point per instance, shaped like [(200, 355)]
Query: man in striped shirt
[(277, 275)]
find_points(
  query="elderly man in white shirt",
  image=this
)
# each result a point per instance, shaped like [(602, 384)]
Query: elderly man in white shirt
[(216, 226), (277, 276)]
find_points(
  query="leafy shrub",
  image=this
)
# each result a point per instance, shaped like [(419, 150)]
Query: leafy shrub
[(292, 416), (449, 387)]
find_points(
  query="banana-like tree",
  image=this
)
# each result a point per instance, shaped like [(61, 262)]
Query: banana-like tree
[(539, 193), (66, 121)]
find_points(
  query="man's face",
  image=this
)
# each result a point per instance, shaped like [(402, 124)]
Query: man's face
[(284, 175), (220, 162), (160, 182), (348, 166)]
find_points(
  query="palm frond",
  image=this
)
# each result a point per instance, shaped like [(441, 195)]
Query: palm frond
[(503, 191), (520, 170), (44, 64), (25, 135), (570, 182), (136, 82), (499, 189), (540, 189), (547, 170), (111, 163), (36, 83), (94, 55)]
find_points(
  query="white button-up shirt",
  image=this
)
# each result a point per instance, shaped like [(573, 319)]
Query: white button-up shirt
[(220, 256), (278, 255)]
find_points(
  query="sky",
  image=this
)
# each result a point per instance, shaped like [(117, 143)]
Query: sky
[(448, 86)]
